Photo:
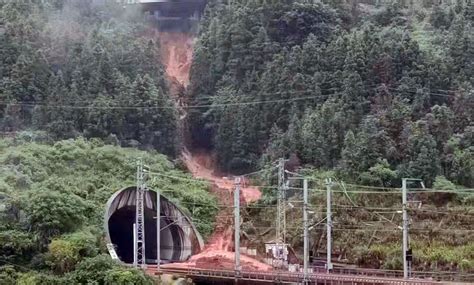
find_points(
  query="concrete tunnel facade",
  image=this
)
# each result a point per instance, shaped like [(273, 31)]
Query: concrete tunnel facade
[(179, 237)]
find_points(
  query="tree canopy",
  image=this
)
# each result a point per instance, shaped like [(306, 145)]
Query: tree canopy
[(339, 86), (79, 69)]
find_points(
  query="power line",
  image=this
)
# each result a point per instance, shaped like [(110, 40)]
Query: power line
[(422, 91), (213, 105), (382, 190), (316, 209), (384, 229), (375, 87), (168, 107)]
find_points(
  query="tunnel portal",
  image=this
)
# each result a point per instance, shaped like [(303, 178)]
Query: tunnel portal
[(179, 238)]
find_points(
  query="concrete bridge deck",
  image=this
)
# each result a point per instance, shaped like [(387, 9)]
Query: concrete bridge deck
[(208, 276)]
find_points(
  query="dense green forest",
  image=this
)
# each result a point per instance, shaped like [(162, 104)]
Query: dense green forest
[(79, 69), (90, 74), (367, 90), (364, 91), (375, 92)]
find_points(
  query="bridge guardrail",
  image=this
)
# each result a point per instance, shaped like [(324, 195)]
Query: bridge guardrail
[(294, 277), (431, 275)]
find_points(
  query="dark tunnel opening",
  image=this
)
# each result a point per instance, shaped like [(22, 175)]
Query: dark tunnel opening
[(179, 238), (121, 235)]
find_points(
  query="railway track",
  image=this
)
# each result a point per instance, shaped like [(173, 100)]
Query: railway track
[(284, 277)]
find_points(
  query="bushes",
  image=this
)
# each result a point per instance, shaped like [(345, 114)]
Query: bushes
[(8, 275), (377, 256), (127, 277), (102, 270), (16, 245), (71, 181), (42, 222), (36, 278), (93, 270), (62, 256), (434, 257), (65, 253), (440, 256), (52, 213)]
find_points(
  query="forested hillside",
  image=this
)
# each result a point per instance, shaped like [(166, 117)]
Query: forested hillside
[(77, 81), (374, 92), (52, 201), (365, 91), (361, 89), (78, 69)]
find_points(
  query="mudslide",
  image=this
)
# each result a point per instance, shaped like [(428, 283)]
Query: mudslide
[(219, 250), (176, 52), (201, 165)]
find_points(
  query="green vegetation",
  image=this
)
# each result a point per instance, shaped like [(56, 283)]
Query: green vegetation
[(366, 91), (366, 225), (374, 93), (52, 200), (436, 257), (83, 69)]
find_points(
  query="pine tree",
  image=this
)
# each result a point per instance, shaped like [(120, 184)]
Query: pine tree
[(57, 114), (423, 157), (350, 155)]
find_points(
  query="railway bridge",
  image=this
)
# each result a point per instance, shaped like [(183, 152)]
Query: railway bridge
[(209, 276)]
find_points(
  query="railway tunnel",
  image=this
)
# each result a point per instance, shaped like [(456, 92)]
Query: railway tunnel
[(179, 237)]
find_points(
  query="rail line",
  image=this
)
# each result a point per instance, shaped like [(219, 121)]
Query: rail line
[(284, 277)]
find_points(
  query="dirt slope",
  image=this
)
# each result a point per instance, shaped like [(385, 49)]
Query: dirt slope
[(176, 53)]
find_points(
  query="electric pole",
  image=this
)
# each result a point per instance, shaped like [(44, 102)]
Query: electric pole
[(306, 237), (407, 252), (158, 229), (237, 225), (328, 224), (405, 227), (281, 205), (139, 254)]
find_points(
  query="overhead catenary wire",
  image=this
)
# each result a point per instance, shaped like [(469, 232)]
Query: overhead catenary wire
[(228, 104), (371, 229), (371, 226), (167, 107), (316, 209), (382, 190), (245, 94), (422, 91)]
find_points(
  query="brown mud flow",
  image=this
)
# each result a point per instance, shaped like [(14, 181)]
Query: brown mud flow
[(176, 53), (218, 253)]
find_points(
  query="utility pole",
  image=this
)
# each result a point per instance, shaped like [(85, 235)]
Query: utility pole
[(405, 227), (281, 205), (407, 252), (328, 224), (306, 237), (158, 229), (407, 255), (139, 246), (237, 182)]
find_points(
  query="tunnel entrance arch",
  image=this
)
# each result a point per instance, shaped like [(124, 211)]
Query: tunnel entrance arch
[(179, 238)]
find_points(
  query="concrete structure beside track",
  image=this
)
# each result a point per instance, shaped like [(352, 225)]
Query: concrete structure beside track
[(179, 237)]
